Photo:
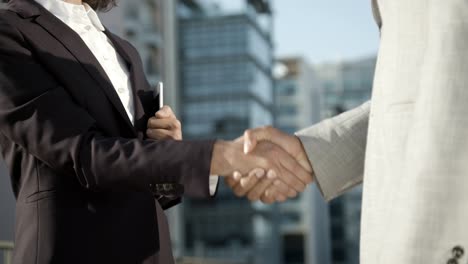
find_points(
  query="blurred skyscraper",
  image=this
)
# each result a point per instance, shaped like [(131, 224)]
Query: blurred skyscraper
[(297, 94), (227, 86), (226, 80), (345, 85), (151, 26), (304, 220)]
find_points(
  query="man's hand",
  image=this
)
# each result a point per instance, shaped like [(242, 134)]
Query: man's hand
[(272, 192), (164, 125), (289, 143), (229, 157), (279, 166)]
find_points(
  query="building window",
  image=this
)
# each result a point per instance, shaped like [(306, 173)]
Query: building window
[(287, 110), (339, 254), (153, 66), (132, 11), (291, 218), (293, 249), (287, 90)]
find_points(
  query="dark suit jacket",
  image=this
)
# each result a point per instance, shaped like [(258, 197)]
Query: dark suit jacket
[(84, 177)]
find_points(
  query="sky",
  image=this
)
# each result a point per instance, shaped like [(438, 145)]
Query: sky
[(322, 30), (325, 30)]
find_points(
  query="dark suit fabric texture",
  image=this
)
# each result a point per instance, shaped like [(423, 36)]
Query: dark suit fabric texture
[(86, 179)]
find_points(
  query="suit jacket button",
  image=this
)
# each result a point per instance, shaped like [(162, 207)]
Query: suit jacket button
[(458, 252)]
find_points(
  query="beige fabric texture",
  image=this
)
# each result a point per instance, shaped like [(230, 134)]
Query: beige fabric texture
[(409, 145)]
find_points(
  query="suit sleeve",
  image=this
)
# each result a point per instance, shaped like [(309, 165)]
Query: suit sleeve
[(39, 115), (336, 149)]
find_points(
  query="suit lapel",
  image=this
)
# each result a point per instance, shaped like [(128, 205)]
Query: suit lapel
[(76, 46)]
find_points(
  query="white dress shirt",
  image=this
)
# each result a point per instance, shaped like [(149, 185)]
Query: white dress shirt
[(85, 22)]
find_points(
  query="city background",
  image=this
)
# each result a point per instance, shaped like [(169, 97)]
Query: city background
[(229, 65)]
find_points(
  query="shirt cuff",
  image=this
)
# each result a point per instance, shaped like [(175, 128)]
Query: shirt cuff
[(214, 180)]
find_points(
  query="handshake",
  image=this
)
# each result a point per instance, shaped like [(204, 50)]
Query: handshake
[(265, 164)]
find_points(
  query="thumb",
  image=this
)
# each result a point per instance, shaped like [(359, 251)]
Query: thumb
[(250, 142), (253, 136)]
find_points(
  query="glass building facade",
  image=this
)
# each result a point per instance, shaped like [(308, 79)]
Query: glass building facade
[(304, 220), (345, 85), (226, 76), (226, 87)]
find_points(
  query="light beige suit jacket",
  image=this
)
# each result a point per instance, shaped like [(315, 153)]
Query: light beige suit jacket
[(409, 145)]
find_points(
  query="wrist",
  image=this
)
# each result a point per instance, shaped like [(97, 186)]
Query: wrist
[(220, 164), (302, 157)]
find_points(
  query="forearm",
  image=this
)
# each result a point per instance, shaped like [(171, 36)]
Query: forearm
[(131, 163), (224, 155), (336, 150)]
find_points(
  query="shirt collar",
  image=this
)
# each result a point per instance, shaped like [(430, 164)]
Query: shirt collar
[(68, 12)]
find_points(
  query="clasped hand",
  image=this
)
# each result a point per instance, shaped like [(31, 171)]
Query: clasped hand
[(266, 164)]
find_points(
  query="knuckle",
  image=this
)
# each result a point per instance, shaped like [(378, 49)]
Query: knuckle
[(302, 187), (253, 196), (267, 200), (292, 194), (302, 173), (245, 182), (269, 128), (238, 192), (159, 113), (151, 121), (281, 198), (299, 187), (174, 135)]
